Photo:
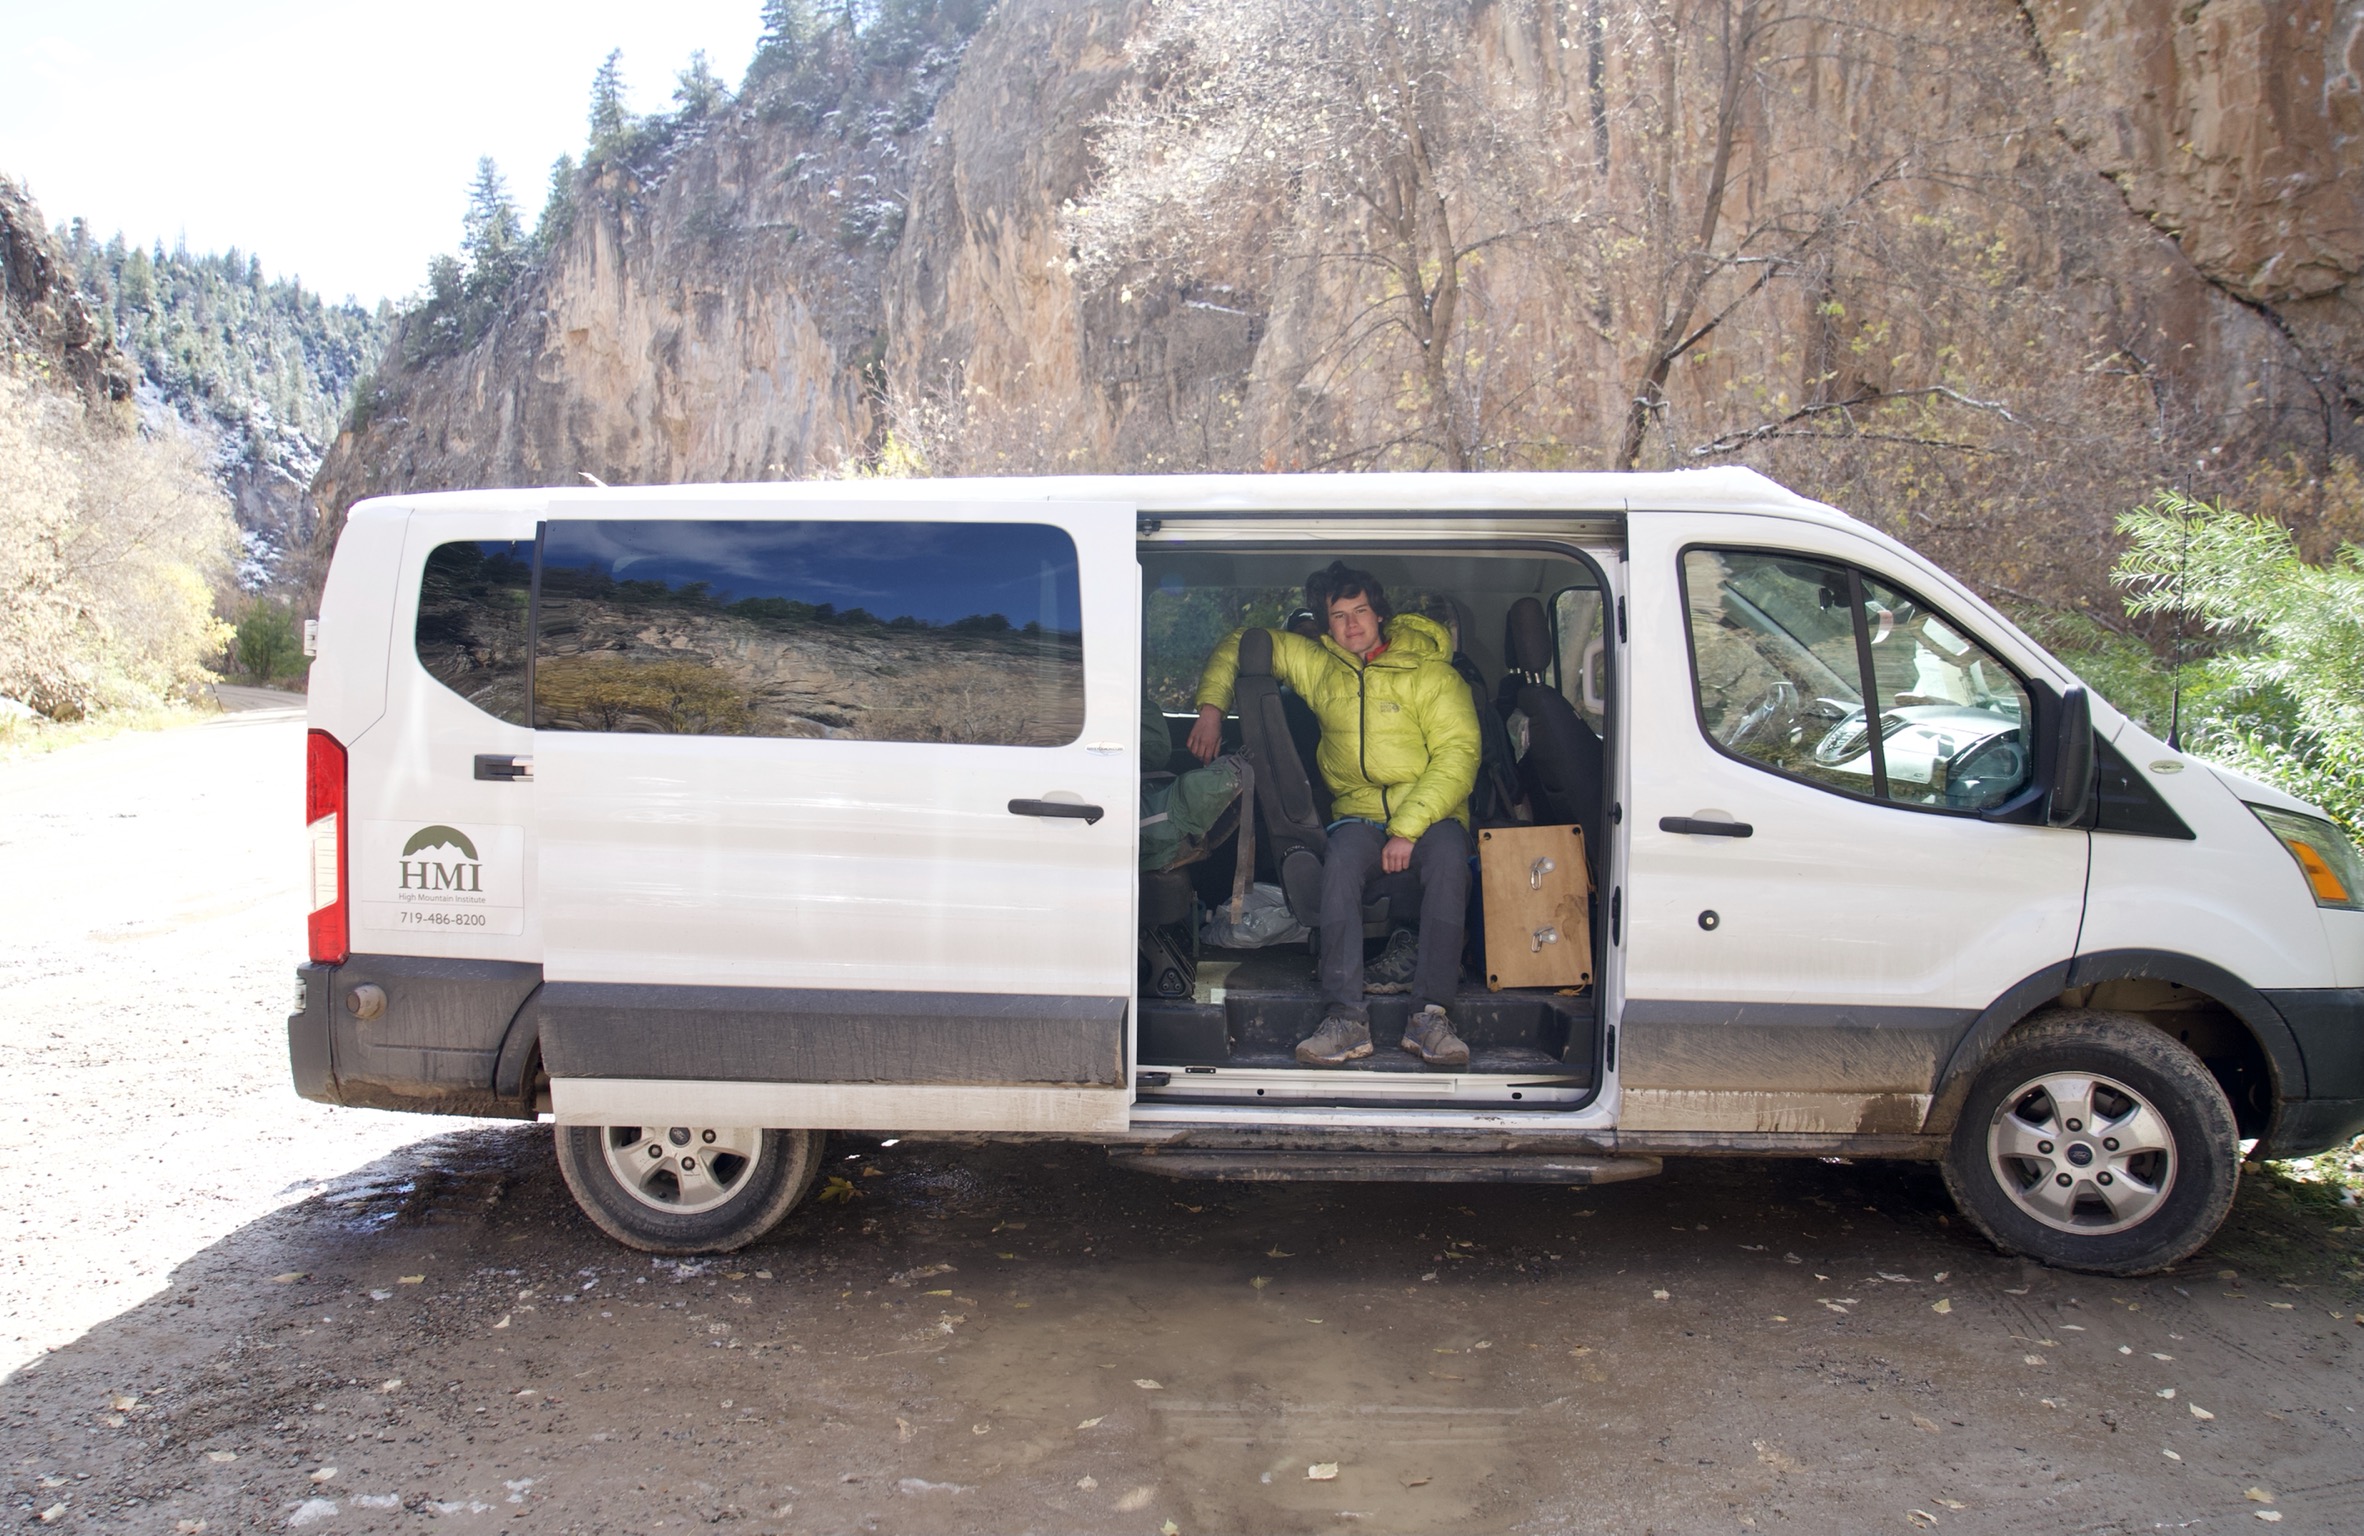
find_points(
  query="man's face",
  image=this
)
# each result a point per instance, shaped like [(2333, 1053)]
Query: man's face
[(1353, 625)]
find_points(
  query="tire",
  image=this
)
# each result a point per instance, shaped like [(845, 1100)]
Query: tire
[(687, 1189), (2134, 1202)]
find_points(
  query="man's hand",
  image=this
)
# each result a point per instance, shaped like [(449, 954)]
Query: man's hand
[(1206, 737), (1396, 857)]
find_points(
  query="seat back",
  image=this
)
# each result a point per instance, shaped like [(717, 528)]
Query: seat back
[(1285, 798), (1563, 766)]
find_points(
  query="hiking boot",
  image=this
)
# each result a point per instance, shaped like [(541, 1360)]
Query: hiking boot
[(1392, 971), (1338, 1042), (1430, 1037)]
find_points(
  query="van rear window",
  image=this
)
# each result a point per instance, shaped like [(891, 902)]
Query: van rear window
[(474, 597), (862, 631)]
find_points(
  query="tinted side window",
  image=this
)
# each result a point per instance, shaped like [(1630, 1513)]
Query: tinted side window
[(474, 597), (908, 631)]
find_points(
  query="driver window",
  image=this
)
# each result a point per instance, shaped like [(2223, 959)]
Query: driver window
[(1773, 653), (1782, 648), (1952, 715)]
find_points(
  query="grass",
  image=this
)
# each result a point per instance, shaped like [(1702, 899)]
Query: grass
[(38, 737)]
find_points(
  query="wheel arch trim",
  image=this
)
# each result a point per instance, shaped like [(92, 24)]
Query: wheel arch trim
[(2256, 1013)]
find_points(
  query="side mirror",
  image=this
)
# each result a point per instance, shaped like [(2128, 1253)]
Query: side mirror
[(2071, 788)]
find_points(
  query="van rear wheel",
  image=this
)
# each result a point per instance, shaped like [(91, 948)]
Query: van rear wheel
[(2093, 1141), (686, 1188)]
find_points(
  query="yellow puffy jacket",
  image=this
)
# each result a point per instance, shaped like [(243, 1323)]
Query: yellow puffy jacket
[(1399, 733)]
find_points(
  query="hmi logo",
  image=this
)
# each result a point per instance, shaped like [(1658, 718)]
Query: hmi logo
[(460, 870)]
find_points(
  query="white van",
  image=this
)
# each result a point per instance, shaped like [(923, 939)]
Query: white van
[(708, 819)]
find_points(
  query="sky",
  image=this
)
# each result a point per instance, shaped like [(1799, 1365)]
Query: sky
[(336, 141)]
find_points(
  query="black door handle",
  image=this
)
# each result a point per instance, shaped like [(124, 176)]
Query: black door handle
[(501, 766), (1697, 828), (1088, 814)]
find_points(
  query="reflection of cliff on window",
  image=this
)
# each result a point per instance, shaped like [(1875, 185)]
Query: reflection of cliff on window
[(894, 631), (473, 600)]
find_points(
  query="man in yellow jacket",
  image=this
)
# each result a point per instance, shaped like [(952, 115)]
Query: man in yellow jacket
[(1399, 749)]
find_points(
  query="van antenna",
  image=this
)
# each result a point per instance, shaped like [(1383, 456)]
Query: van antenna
[(594, 479)]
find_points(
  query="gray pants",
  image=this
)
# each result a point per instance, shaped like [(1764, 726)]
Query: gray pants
[(1440, 870)]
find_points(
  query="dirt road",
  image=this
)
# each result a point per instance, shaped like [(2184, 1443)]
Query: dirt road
[(228, 1309)]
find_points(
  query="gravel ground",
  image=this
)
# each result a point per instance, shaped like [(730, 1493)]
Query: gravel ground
[(226, 1309)]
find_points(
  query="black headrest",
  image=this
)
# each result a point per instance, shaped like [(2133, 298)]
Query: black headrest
[(1255, 653), (1526, 635)]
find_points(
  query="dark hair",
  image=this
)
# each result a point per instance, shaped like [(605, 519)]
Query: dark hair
[(1337, 580)]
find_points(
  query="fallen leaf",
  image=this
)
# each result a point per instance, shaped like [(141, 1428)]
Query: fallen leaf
[(2155, 1355), (1953, 1504), (1658, 1295), (1942, 1305), (504, 1322), (1005, 1255), (290, 1278), (2125, 1349), (1416, 1482), (2017, 1291), (840, 1189), (390, 1384), (1134, 1498), (1777, 1317), (1169, 1529), (224, 1457), (1087, 1484), (1091, 1423), (2170, 1455), (1925, 1426), (1146, 1385), (1921, 1519), (1261, 1281), (53, 1514), (1940, 1278), (188, 1527), (125, 1404), (324, 1474), (2258, 1496), (1274, 1252), (2200, 1413), (980, 1429), (1431, 1275), (763, 1274), (903, 1429), (2269, 1516), (410, 1279), (2228, 1274), (1322, 1472), (381, 1295), (1483, 1344)]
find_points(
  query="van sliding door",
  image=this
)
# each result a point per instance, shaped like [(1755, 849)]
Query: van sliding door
[(838, 809)]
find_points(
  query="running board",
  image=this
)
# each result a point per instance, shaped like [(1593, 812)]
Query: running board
[(1255, 1166)]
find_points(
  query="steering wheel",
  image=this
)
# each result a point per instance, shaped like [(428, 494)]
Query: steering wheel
[(1776, 706), (1850, 735)]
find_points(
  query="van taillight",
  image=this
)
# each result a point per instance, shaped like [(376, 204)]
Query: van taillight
[(324, 821)]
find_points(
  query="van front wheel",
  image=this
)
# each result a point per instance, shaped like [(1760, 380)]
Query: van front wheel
[(2093, 1141), (686, 1188)]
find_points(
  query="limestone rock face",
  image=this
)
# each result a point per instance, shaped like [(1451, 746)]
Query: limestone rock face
[(2238, 128), (1984, 274)]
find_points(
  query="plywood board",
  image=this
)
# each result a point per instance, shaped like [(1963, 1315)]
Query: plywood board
[(1538, 908)]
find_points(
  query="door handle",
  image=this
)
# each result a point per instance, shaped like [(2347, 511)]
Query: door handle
[(502, 768), (1695, 827), (1088, 814)]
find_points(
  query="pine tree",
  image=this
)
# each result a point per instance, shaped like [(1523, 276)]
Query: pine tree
[(558, 207), (609, 119), (493, 242), (790, 28), (699, 90)]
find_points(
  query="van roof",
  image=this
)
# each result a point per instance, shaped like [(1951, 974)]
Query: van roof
[(1723, 489)]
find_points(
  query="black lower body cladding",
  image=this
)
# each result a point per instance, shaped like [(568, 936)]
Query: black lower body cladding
[(428, 1037), (2328, 1024), (799, 1035)]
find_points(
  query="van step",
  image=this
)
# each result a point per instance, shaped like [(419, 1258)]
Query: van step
[(1255, 1166)]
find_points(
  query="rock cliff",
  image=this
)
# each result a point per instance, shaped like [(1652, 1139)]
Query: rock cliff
[(46, 329), (1984, 273)]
